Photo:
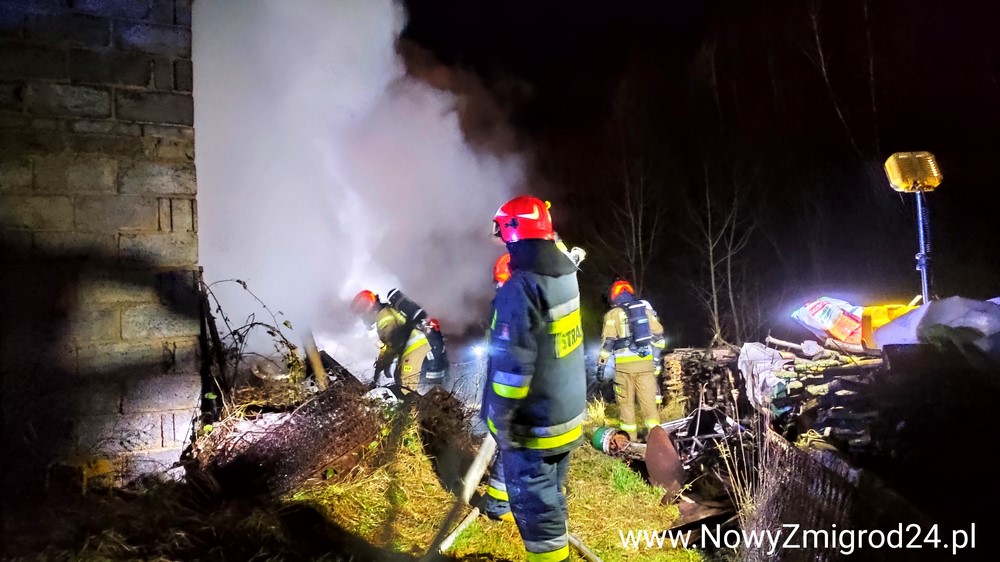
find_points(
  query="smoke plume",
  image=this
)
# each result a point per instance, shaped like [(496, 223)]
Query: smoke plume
[(323, 169)]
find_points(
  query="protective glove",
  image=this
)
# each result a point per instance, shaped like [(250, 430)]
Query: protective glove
[(600, 370)]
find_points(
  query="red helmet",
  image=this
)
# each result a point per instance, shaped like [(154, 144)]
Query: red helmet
[(620, 286), (523, 218), (364, 303), (501, 270)]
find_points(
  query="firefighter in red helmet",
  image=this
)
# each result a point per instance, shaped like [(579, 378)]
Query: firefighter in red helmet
[(536, 396), (634, 336), (407, 336)]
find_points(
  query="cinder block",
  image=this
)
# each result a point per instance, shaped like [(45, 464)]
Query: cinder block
[(106, 128), (21, 240), (15, 175), (183, 215), (156, 321), (116, 213), (178, 427), (106, 145), (160, 249), (128, 9), (182, 13), (15, 121), (68, 100), (183, 75), (179, 289), (27, 61), (46, 124), (168, 132), (75, 398), (162, 11), (77, 244), (10, 96), (109, 67), (74, 28), (163, 74), (166, 222), (155, 107), (160, 462), (119, 433), (170, 149), (123, 359), (162, 393), (36, 212), (75, 174), (187, 356), (157, 178), (13, 142), (89, 323), (41, 6), (151, 38), (122, 286)]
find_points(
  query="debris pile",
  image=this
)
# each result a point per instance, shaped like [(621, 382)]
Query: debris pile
[(267, 451), (811, 390)]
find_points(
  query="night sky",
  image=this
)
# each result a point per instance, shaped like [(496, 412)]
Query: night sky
[(733, 96)]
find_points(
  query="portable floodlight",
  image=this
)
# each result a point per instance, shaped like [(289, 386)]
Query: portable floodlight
[(917, 172)]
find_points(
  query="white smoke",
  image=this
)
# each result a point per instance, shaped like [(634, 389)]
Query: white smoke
[(323, 169)]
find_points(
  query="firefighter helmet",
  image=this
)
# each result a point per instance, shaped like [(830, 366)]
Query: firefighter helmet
[(364, 303), (501, 270), (523, 218), (618, 287)]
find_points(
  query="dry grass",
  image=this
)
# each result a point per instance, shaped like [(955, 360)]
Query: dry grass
[(393, 500), (397, 502)]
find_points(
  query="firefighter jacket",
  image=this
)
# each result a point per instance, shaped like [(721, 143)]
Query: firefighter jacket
[(617, 342), (537, 381), (397, 341)]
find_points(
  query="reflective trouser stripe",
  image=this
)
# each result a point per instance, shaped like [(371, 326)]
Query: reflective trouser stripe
[(557, 555), (497, 493), (629, 427), (651, 422)]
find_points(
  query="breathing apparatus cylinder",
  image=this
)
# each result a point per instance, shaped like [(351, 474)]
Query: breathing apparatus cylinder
[(407, 307)]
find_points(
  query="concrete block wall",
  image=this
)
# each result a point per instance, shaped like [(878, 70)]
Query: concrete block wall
[(98, 228)]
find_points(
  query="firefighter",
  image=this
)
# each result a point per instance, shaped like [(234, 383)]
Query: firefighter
[(536, 398), (633, 334), (407, 336), (496, 504)]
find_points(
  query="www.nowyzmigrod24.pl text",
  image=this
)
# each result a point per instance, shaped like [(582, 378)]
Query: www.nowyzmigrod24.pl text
[(792, 536)]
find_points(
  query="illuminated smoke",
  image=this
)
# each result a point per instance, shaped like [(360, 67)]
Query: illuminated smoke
[(324, 169)]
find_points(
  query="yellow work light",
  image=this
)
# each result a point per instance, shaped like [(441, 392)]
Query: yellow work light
[(918, 173), (913, 171)]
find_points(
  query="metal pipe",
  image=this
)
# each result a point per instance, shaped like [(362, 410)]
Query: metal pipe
[(924, 235), (450, 539), (583, 550)]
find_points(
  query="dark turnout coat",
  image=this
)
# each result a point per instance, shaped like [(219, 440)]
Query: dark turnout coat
[(536, 386)]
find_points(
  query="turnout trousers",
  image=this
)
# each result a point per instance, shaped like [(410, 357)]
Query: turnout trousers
[(497, 505), (630, 386), (535, 483)]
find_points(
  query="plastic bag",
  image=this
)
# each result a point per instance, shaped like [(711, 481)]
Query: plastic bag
[(832, 318)]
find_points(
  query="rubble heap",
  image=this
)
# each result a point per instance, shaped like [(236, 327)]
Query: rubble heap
[(273, 452)]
